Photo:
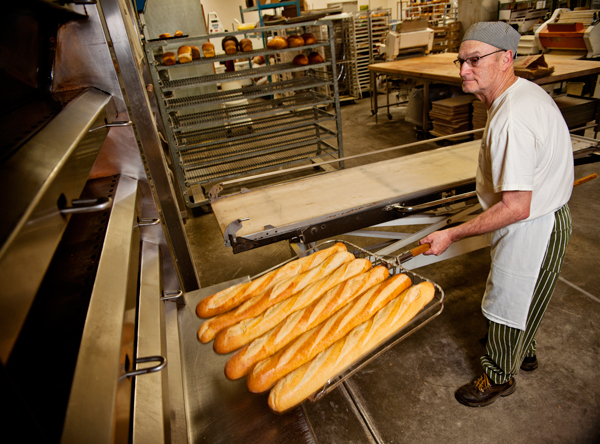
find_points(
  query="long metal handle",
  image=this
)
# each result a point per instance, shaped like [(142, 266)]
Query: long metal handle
[(433, 204), (162, 364), (147, 223), (88, 205), (111, 124)]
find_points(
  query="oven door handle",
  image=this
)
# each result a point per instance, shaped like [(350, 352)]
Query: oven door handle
[(87, 205), (162, 363), (111, 124)]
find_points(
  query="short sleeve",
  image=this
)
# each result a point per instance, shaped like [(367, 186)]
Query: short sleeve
[(513, 161)]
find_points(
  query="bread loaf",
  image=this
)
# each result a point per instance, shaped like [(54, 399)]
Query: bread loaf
[(195, 52), (277, 43), (301, 321), (240, 334), (309, 39), (178, 34), (169, 58), (246, 45), (300, 60), (310, 377), (315, 57), (230, 47), (277, 293), (230, 298), (184, 54), (208, 49), (267, 372), (294, 41), (166, 35)]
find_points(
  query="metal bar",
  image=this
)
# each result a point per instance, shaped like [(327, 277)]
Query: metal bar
[(95, 412), (336, 93), (146, 132), (356, 156)]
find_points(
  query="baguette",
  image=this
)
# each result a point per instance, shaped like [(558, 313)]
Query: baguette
[(267, 372), (230, 298), (240, 334), (277, 293), (301, 321), (310, 377)]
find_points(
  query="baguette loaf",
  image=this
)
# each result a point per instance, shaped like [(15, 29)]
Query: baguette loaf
[(310, 377), (240, 334), (301, 321), (230, 298), (267, 372), (277, 293)]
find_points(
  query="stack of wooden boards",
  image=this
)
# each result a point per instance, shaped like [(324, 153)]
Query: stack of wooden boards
[(451, 116), (479, 117), (301, 324)]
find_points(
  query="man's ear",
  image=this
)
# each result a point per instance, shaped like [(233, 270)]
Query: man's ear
[(507, 59)]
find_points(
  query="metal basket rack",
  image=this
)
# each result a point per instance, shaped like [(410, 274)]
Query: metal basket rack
[(427, 314), (216, 134), (369, 28)]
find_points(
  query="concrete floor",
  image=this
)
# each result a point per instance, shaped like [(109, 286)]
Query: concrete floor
[(407, 395)]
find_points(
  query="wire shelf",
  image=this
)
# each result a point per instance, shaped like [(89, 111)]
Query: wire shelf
[(249, 92), (213, 79), (235, 114), (226, 152), (242, 130), (255, 164)]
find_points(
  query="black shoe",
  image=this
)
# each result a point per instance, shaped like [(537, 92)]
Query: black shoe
[(529, 364), (481, 391)]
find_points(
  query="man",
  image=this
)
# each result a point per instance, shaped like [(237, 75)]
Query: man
[(524, 181)]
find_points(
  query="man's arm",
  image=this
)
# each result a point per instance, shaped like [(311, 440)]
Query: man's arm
[(513, 207)]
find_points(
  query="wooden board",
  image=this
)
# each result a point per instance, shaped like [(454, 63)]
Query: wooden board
[(315, 198), (441, 67)]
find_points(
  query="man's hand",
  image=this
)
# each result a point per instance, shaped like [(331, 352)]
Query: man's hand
[(513, 207), (439, 240)]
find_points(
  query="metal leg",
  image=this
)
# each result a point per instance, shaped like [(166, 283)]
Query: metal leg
[(426, 107)]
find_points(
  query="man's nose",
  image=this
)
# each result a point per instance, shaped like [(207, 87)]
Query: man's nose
[(465, 69)]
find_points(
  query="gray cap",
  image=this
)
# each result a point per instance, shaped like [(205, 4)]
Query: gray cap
[(498, 34)]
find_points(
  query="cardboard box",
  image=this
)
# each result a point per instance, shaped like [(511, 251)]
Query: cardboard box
[(533, 67)]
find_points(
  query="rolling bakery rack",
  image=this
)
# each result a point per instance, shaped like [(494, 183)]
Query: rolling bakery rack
[(227, 133)]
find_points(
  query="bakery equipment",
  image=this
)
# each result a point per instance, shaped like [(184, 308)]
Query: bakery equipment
[(574, 32), (409, 37)]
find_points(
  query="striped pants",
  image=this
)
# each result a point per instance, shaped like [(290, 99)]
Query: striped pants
[(506, 346)]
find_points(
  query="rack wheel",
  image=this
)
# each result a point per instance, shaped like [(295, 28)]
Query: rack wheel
[(389, 117), (372, 112)]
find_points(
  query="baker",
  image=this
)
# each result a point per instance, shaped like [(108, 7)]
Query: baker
[(524, 181)]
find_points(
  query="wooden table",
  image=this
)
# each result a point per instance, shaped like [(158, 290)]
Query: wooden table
[(440, 68)]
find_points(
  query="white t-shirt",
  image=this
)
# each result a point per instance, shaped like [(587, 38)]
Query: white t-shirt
[(526, 147)]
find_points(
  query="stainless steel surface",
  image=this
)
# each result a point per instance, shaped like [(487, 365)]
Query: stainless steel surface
[(99, 403), (45, 174), (83, 58), (151, 422), (140, 113), (223, 411)]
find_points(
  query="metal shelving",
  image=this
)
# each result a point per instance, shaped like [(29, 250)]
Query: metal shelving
[(217, 135), (370, 28)]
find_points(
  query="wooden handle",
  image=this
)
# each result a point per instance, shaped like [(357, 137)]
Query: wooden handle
[(420, 249), (585, 179)]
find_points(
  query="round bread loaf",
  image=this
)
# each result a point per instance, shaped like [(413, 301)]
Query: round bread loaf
[(195, 52), (277, 43), (315, 57), (178, 34), (230, 47), (169, 58), (208, 49), (246, 45), (309, 39), (295, 41), (300, 59), (184, 54), (166, 35), (259, 60)]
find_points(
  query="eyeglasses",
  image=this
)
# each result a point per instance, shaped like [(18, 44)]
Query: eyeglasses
[(473, 61)]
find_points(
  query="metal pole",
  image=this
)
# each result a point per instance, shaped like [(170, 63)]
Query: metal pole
[(149, 144)]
